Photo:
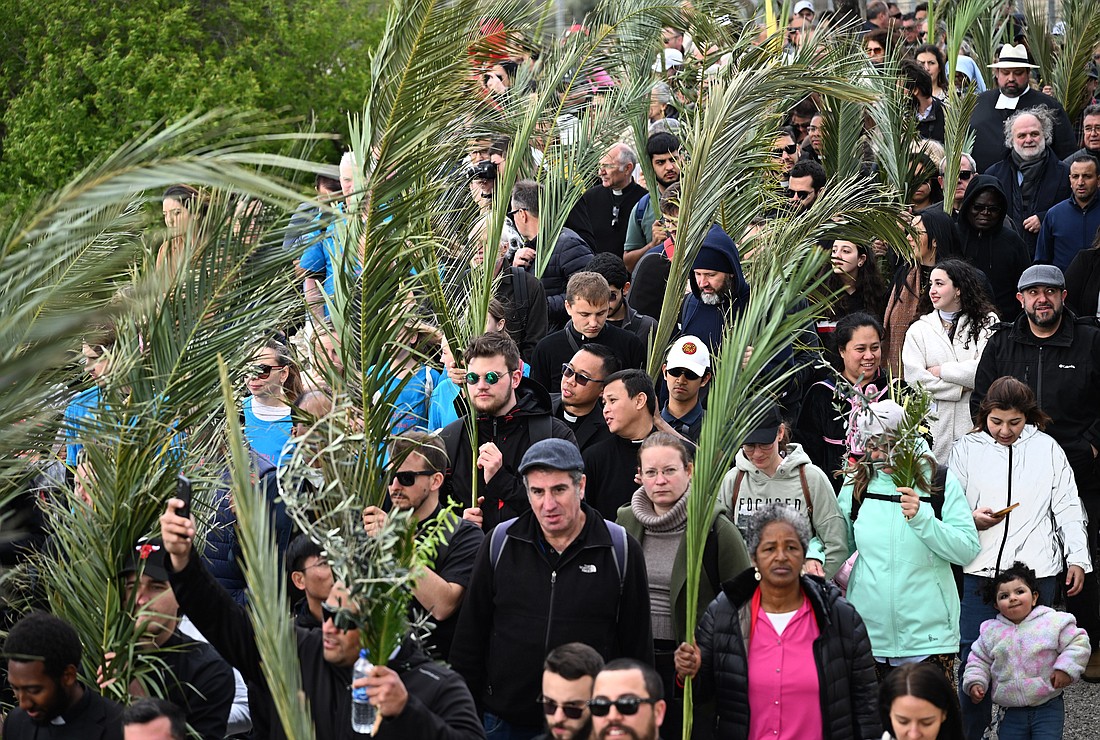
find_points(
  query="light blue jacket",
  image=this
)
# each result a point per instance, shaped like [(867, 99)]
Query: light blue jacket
[(902, 583)]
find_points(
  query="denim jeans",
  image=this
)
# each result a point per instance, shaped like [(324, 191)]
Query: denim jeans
[(973, 612), (1044, 722), (498, 729)]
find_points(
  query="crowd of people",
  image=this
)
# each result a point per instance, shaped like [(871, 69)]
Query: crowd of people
[(835, 599)]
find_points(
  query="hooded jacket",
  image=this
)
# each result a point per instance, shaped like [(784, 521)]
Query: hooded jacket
[(830, 541), (999, 252), (505, 495), (1034, 473), (1052, 188), (1063, 371), (927, 345), (705, 321), (902, 582), (842, 654)]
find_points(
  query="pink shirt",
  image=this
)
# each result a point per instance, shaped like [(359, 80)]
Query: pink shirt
[(784, 695)]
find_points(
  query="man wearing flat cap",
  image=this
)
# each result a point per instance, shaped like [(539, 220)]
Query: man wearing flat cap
[(558, 573), (1012, 72), (1058, 356)]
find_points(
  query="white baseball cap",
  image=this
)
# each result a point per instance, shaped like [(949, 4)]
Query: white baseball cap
[(689, 353)]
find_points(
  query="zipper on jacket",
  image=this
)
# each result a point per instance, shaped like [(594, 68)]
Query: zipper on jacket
[(1004, 535), (550, 611), (1039, 378)]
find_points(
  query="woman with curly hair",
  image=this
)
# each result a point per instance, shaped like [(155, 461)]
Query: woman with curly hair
[(943, 346), (931, 58)]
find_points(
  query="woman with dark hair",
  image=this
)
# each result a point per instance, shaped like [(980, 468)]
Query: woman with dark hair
[(932, 238), (943, 346), (657, 517), (183, 208), (783, 655), (1083, 281), (1025, 505), (931, 58), (916, 702), (856, 280), (823, 436), (274, 382)]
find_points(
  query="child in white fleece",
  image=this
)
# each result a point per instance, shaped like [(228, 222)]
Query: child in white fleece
[(1029, 653)]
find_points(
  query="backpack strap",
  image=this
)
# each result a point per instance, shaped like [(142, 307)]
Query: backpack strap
[(520, 301), (540, 428), (639, 210), (618, 550), (497, 538), (806, 497), (737, 486)]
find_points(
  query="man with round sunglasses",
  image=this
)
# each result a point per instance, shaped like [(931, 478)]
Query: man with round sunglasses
[(510, 413), (414, 485), (567, 678), (626, 701), (687, 372), (582, 381)]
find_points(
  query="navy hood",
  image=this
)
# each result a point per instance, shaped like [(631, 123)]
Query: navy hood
[(718, 253)]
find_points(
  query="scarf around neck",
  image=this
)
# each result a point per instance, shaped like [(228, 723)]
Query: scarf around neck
[(671, 521)]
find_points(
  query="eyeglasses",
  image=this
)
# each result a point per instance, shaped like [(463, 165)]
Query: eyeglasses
[(1092, 129), (341, 620), (652, 473), (571, 709), (262, 372), (408, 477), (512, 213), (683, 372), (567, 371), (966, 174), (984, 208), (789, 149), (491, 377), (627, 705), (800, 194), (751, 446)]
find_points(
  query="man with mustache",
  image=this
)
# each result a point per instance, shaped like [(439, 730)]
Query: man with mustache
[(626, 701), (1071, 225), (567, 678), (1058, 356)]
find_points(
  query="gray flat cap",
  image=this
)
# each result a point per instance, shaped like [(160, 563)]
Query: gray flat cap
[(1041, 275), (557, 454)]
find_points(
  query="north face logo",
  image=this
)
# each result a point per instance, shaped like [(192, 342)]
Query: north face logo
[(588, 568)]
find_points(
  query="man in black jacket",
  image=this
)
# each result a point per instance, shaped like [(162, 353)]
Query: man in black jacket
[(605, 209), (559, 573), (582, 381), (989, 244), (414, 696), (510, 412), (1013, 93), (1058, 356)]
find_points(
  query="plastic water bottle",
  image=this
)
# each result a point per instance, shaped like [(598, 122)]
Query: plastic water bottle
[(362, 711)]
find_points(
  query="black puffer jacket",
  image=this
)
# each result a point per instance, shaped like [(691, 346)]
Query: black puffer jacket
[(845, 666), (571, 253), (999, 251)]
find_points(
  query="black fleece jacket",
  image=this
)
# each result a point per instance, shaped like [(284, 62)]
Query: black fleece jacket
[(842, 652)]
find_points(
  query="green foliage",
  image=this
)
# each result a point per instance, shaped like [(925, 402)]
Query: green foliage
[(78, 80)]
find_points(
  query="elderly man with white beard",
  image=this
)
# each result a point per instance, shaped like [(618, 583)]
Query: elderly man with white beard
[(1032, 175)]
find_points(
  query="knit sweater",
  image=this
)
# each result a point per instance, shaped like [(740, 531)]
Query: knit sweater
[(1020, 658), (663, 534)]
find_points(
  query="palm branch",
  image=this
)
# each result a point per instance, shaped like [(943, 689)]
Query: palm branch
[(1067, 75)]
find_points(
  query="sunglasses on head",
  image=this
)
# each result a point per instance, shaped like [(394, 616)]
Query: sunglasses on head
[(491, 377), (567, 371), (340, 620), (571, 709), (407, 477), (262, 372), (789, 149), (678, 372), (627, 705)]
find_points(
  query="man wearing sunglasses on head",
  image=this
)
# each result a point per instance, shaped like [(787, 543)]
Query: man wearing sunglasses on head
[(510, 414), (567, 678), (416, 697), (587, 301), (626, 701), (578, 404), (686, 371), (414, 485)]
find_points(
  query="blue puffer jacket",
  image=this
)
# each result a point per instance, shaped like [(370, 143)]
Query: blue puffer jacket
[(704, 321)]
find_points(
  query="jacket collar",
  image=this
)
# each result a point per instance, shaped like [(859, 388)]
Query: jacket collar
[(1021, 331), (739, 591)]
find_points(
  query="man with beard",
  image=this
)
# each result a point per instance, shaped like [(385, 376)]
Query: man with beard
[(1032, 176), (606, 208), (1090, 129), (567, 678), (1071, 225), (1013, 93), (785, 153), (642, 230), (687, 371), (805, 182), (511, 413), (43, 654), (582, 382), (718, 289), (626, 701), (1058, 356)]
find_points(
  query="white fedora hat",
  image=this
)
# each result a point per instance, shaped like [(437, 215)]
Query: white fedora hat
[(1013, 57)]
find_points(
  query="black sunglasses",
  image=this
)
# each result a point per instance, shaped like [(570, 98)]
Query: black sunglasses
[(627, 705), (567, 371), (571, 709), (340, 619), (407, 477), (262, 372), (789, 149), (800, 194), (683, 372), (491, 377), (965, 175), (984, 208), (512, 213)]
